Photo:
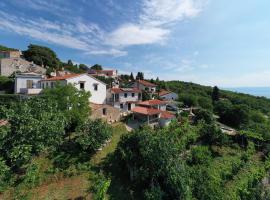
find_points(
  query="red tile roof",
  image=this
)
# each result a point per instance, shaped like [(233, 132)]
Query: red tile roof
[(146, 111), (146, 83), (123, 90), (59, 78), (153, 102), (167, 115), (164, 92)]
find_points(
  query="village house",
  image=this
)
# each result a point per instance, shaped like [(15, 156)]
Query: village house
[(153, 113), (82, 82), (28, 83), (11, 62), (124, 99), (167, 95), (145, 85), (108, 73)]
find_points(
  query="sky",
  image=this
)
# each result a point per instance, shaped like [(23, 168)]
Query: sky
[(210, 42)]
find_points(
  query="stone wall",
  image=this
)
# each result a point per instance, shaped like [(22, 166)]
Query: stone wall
[(112, 114), (10, 65)]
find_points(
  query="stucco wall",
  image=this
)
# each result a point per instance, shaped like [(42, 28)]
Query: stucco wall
[(21, 83)]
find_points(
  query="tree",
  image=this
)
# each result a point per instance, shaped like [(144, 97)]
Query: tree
[(215, 94), (93, 134), (140, 76), (204, 115), (97, 67), (131, 77), (69, 63), (43, 56), (83, 67), (34, 126), (188, 99), (72, 102)]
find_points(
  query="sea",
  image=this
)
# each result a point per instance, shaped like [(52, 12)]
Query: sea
[(256, 91)]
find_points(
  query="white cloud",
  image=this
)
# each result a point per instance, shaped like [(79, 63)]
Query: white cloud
[(152, 26), (130, 34)]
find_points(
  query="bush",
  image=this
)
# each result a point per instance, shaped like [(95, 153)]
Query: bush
[(93, 134), (99, 186), (200, 155)]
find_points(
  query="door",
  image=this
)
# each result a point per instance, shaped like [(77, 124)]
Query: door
[(129, 106)]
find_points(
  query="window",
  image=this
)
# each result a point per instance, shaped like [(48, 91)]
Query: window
[(96, 87), (121, 106), (47, 84), (82, 85), (29, 83), (139, 96), (125, 95), (43, 85), (133, 94), (104, 111), (116, 97), (52, 84)]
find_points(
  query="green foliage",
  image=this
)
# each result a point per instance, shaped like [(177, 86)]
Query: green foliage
[(72, 102), (41, 56), (200, 155), (140, 76), (6, 84), (205, 103), (97, 67), (83, 67), (4, 48), (5, 175), (188, 99), (215, 94), (34, 126), (92, 135), (204, 115), (99, 186)]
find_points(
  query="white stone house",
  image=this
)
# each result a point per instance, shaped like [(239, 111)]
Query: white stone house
[(28, 83), (124, 99), (82, 82), (145, 85), (168, 95)]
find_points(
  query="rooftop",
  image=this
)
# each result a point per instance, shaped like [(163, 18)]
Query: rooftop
[(146, 83), (164, 92), (146, 111), (167, 115), (153, 102), (59, 78), (122, 90)]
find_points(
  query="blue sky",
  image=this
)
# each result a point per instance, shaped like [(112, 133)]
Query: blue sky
[(212, 42)]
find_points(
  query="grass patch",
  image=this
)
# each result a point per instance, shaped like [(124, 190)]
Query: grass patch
[(119, 129)]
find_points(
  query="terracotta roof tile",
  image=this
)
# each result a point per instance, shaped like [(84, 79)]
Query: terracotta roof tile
[(146, 83), (59, 78), (167, 115), (123, 90), (164, 92), (153, 102), (146, 111)]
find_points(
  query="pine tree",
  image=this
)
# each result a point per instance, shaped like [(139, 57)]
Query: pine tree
[(215, 94)]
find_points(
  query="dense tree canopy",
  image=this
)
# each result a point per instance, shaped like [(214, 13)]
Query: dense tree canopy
[(42, 56), (97, 67)]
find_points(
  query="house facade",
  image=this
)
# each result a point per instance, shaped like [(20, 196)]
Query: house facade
[(124, 99), (153, 113), (145, 85), (168, 95), (82, 82), (28, 83), (10, 54)]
